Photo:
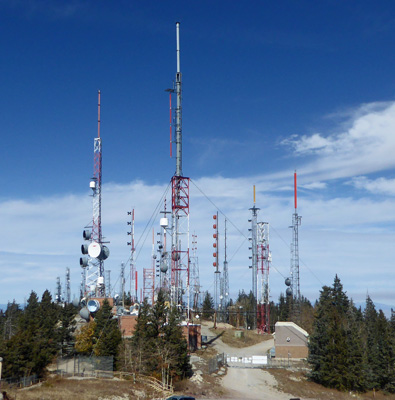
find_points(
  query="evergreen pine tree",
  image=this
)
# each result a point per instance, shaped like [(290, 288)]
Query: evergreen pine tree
[(371, 338), (208, 306), (106, 332), (356, 355), (66, 329), (330, 354), (390, 386)]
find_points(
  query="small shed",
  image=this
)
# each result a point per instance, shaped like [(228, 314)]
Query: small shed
[(290, 340)]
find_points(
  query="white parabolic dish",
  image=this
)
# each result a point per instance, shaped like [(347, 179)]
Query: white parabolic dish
[(94, 250)]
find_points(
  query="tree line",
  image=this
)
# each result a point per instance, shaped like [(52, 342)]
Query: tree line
[(31, 338), (350, 349)]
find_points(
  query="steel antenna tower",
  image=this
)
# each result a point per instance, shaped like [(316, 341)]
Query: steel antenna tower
[(264, 260), (123, 283), (195, 280), (133, 273), (180, 203), (217, 277), (108, 282), (164, 260), (58, 296), (149, 275), (96, 251), (295, 279), (254, 257), (67, 291), (96, 187), (224, 296)]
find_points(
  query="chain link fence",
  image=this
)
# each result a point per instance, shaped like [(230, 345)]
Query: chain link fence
[(20, 382), (215, 363), (101, 367)]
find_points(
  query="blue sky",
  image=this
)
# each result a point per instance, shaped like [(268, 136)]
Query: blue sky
[(268, 87)]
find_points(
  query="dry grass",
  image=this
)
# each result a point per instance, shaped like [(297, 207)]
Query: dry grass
[(87, 389), (303, 388), (250, 337)]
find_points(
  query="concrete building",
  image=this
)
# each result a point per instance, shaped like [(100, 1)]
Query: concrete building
[(290, 340)]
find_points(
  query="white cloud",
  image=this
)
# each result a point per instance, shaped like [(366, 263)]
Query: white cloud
[(351, 236), (314, 185), (376, 186), (365, 144), (40, 238)]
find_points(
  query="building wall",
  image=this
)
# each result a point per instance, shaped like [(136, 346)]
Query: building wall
[(290, 341), (195, 335), (292, 351), (127, 325)]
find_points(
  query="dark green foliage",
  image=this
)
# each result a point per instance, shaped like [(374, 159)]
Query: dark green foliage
[(32, 337), (66, 329), (158, 347), (247, 306), (208, 306), (350, 350), (107, 334)]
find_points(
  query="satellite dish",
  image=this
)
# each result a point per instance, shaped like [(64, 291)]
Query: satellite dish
[(105, 252), (94, 250), (164, 222), (163, 267), (83, 262), (93, 305), (84, 313)]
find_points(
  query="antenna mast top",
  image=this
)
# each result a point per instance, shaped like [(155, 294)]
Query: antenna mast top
[(98, 115), (179, 108), (178, 45), (295, 191)]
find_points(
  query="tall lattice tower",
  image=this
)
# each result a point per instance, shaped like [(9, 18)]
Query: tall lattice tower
[(58, 294), (96, 251), (195, 279), (67, 289), (217, 272), (133, 272), (294, 282), (149, 276), (180, 203), (224, 292), (164, 256), (264, 259), (254, 257)]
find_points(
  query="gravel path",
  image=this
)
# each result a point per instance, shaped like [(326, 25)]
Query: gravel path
[(247, 383)]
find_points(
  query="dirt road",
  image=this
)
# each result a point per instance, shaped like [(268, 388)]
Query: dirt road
[(243, 382)]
